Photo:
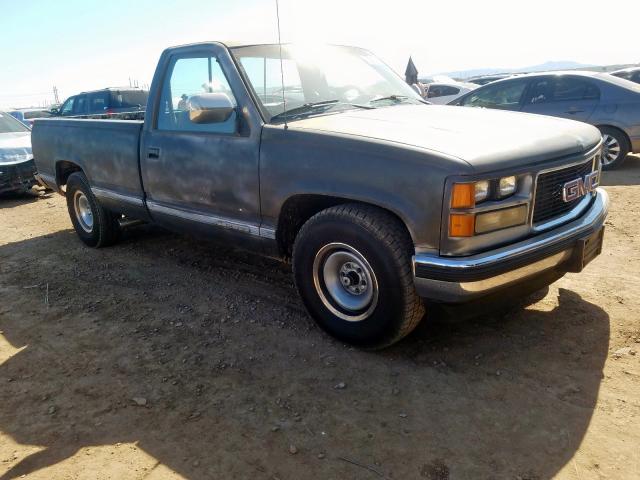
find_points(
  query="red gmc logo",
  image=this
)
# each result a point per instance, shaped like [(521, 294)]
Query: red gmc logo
[(577, 188)]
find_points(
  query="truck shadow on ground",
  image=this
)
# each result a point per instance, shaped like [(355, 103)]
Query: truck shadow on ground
[(229, 372)]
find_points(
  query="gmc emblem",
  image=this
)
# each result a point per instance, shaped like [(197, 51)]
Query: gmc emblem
[(577, 188)]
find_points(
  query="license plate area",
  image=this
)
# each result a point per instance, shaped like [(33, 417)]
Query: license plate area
[(587, 249)]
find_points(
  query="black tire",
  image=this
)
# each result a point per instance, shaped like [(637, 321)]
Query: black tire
[(377, 241), (104, 229), (613, 136)]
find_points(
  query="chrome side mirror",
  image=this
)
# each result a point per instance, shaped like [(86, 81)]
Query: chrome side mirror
[(210, 108)]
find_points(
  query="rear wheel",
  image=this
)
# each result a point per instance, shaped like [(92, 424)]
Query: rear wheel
[(352, 266), (95, 226), (615, 147)]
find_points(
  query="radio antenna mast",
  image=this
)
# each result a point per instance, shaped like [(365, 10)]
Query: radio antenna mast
[(284, 102)]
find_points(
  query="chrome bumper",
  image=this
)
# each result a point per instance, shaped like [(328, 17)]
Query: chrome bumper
[(460, 279)]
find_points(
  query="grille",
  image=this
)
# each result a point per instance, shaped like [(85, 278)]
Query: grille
[(549, 203)]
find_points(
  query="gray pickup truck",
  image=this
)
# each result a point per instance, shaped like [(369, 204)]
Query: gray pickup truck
[(324, 156)]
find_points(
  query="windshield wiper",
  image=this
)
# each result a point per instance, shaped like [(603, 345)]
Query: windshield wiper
[(306, 108), (312, 106), (396, 98)]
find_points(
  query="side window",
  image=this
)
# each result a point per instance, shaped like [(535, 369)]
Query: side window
[(98, 102), (538, 92), (568, 89), (80, 106), (500, 95), (67, 107), (186, 78), (442, 91), (636, 77)]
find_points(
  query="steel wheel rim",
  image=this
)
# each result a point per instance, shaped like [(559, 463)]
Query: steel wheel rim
[(83, 211), (345, 282), (611, 149)]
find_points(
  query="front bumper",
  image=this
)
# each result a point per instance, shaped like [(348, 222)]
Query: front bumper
[(17, 177), (461, 279)]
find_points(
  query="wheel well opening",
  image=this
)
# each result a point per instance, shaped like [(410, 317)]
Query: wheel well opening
[(298, 209), (63, 170), (622, 132)]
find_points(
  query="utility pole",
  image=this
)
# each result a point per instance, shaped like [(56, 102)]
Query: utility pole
[(55, 94)]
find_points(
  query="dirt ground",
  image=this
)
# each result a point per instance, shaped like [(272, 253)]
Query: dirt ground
[(167, 357)]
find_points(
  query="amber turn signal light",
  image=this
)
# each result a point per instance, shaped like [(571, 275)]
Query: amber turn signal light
[(463, 195), (461, 225)]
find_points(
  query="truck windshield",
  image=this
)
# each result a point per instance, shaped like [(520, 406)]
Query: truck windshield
[(346, 77), (8, 124)]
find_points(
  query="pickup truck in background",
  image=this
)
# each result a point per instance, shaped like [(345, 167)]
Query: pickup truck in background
[(383, 203)]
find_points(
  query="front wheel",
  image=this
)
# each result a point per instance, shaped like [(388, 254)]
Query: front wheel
[(95, 226), (615, 148), (352, 267)]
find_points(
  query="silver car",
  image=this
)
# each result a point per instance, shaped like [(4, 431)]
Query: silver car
[(610, 103), (17, 168)]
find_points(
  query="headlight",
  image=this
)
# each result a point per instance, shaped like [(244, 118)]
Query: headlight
[(499, 219), (466, 221), (507, 186), (481, 190)]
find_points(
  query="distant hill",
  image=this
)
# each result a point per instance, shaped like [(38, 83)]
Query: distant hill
[(543, 67)]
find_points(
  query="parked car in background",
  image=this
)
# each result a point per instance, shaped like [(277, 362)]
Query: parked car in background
[(28, 115), (379, 200), (442, 93), (632, 74), (120, 103), (610, 103), (17, 168), (484, 79)]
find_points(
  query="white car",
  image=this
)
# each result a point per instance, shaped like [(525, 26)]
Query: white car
[(442, 93)]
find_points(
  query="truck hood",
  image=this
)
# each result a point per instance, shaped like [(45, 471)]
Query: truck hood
[(15, 147), (485, 139)]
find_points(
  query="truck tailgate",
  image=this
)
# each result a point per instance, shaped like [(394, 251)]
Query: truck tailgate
[(106, 150)]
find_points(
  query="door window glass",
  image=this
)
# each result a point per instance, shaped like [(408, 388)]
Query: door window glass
[(98, 102), (442, 91), (568, 89), (80, 106), (67, 108), (500, 95), (187, 78), (538, 92)]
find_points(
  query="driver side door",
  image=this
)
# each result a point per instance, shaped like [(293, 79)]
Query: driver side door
[(201, 176)]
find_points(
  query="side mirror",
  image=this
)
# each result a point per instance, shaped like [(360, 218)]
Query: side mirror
[(210, 108), (54, 111)]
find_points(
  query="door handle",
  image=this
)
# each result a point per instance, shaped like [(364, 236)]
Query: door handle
[(153, 152), (574, 110)]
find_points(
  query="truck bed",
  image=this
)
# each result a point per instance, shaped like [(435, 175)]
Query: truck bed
[(106, 150)]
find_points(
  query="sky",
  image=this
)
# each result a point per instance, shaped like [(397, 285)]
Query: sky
[(80, 45)]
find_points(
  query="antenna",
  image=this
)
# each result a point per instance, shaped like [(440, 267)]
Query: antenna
[(284, 102)]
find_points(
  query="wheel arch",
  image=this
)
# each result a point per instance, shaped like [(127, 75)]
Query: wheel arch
[(600, 126), (299, 208), (64, 168)]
